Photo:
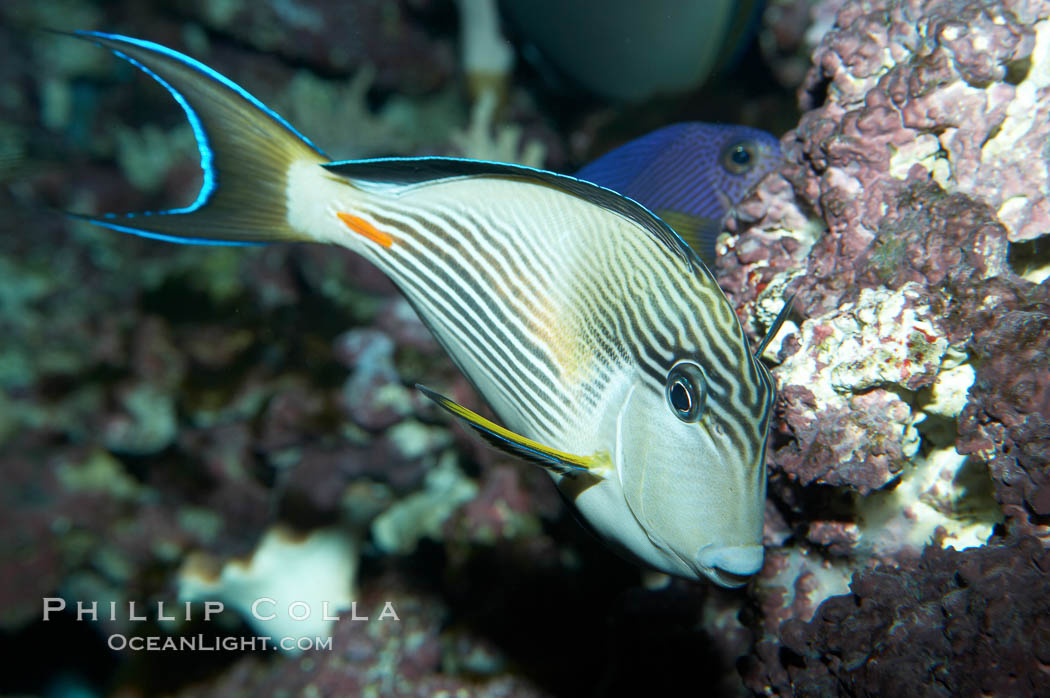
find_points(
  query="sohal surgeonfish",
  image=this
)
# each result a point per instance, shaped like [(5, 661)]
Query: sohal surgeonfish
[(601, 342), (689, 174)]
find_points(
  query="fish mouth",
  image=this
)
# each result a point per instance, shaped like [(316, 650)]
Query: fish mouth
[(730, 565)]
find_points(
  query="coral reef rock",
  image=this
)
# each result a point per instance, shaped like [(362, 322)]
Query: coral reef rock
[(911, 453)]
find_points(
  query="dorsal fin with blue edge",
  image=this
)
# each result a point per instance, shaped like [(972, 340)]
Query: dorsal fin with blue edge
[(245, 152), (412, 171)]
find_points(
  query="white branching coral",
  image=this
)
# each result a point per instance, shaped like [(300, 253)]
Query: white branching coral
[(484, 140), (486, 56)]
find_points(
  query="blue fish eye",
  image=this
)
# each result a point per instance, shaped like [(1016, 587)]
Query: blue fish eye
[(738, 158), (686, 390)]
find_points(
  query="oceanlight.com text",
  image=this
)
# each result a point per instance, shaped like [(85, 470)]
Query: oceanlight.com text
[(209, 643)]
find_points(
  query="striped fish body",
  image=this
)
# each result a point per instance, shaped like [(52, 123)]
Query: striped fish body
[(567, 318), (587, 325)]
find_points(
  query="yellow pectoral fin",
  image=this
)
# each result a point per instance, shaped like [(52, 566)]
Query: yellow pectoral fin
[(517, 445)]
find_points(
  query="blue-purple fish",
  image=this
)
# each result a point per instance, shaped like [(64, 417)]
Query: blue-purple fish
[(601, 341), (689, 174)]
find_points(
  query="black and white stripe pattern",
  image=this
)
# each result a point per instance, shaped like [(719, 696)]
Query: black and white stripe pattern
[(542, 299)]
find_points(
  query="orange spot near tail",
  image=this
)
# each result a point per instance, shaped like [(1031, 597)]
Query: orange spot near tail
[(363, 227)]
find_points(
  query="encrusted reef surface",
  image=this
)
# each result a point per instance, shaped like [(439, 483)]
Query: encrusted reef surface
[(189, 424), (909, 465)]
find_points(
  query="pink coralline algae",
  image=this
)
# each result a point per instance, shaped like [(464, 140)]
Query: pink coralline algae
[(858, 218), (890, 93), (912, 448), (1007, 421), (948, 625), (849, 429)]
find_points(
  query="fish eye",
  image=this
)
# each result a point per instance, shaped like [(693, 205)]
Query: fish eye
[(686, 391), (738, 158)]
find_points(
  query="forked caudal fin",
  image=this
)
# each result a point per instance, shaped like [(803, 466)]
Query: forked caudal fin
[(245, 149)]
